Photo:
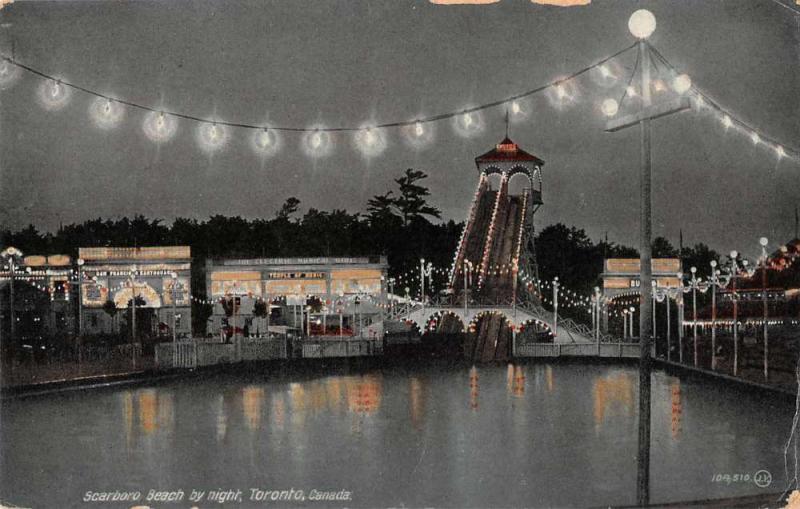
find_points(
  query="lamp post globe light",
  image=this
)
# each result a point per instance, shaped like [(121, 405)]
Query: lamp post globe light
[(642, 24)]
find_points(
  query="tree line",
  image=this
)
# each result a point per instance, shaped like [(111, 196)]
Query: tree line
[(400, 224)]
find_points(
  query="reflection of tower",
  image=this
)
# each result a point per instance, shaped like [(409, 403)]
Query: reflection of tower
[(473, 388), (677, 408), (508, 160)]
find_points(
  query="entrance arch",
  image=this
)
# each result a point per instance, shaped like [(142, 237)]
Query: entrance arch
[(444, 322)]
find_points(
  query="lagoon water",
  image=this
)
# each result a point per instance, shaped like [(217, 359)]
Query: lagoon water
[(432, 435)]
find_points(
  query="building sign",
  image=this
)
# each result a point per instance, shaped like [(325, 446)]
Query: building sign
[(624, 274), (180, 291), (296, 275), (300, 261), (135, 253), (669, 266), (94, 294)]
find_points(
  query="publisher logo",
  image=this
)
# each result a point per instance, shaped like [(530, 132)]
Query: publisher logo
[(762, 478)]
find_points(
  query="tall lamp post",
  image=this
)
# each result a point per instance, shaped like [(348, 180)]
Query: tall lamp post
[(734, 274), (424, 271), (735, 298), (715, 281), (632, 314), (467, 273), (624, 324), (11, 254), (80, 262), (133, 303), (408, 303), (763, 241), (174, 307), (556, 286), (642, 24), (694, 285), (679, 301), (598, 297)]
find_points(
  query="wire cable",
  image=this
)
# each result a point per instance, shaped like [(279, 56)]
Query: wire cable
[(423, 120)]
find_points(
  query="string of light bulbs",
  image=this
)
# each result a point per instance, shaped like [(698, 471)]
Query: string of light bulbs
[(57, 83), (729, 119)]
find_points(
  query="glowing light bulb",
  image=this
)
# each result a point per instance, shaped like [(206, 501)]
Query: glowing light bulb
[(727, 122), (560, 92), (264, 139), (55, 90), (682, 83), (610, 107), (515, 109), (755, 138), (418, 129), (369, 137), (160, 122), (604, 71), (630, 91), (642, 24), (779, 150), (212, 133), (467, 120), (659, 86), (107, 107)]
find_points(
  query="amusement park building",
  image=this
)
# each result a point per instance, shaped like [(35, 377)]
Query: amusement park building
[(156, 275), (325, 294), (43, 298)]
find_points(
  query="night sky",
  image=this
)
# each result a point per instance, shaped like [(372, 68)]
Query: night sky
[(349, 62)]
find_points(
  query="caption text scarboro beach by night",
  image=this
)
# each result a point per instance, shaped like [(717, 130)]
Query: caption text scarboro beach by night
[(220, 496)]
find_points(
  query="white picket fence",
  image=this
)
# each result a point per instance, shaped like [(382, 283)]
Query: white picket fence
[(193, 353), (325, 347), (616, 350)]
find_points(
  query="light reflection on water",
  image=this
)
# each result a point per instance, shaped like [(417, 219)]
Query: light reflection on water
[(519, 434)]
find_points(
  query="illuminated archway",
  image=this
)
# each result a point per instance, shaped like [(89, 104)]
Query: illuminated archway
[(444, 322)]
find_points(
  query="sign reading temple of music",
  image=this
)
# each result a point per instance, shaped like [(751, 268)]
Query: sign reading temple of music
[(295, 277)]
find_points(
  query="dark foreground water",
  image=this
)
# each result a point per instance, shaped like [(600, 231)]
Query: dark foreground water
[(530, 435)]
